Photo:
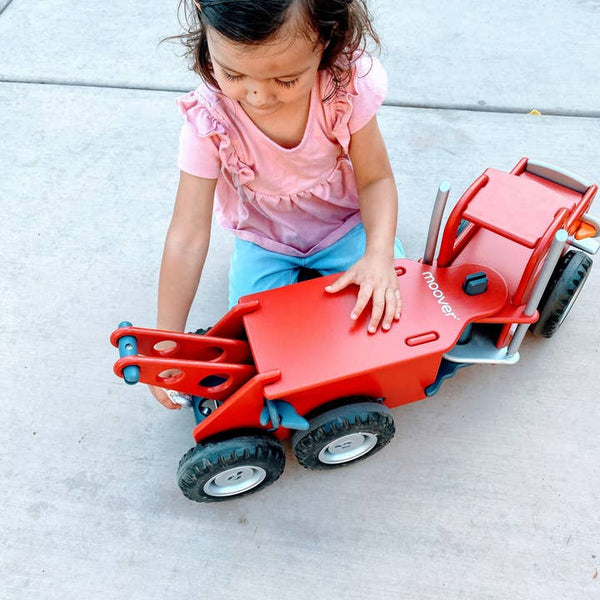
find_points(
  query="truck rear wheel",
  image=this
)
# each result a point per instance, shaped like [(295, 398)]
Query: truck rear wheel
[(561, 292), (216, 471), (343, 435)]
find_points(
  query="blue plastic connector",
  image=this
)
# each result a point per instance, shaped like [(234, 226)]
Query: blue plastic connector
[(128, 347), (281, 413)]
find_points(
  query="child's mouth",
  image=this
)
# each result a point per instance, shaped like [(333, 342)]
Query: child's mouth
[(262, 109)]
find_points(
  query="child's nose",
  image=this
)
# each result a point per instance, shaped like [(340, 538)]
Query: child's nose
[(259, 93)]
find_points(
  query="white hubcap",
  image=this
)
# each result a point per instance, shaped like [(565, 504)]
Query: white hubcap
[(347, 448), (235, 481)]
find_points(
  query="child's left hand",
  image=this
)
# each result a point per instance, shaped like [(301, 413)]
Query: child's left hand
[(378, 282)]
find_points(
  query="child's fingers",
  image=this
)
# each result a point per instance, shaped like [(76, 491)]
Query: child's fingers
[(170, 404), (398, 303), (340, 283), (364, 295), (162, 397), (391, 309), (377, 310)]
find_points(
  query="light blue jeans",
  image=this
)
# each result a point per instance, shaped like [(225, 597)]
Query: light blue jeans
[(254, 269)]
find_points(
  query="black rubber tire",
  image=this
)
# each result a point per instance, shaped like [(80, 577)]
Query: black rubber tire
[(562, 290), (369, 419), (199, 467)]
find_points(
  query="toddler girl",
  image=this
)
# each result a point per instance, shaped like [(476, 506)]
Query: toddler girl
[(281, 140)]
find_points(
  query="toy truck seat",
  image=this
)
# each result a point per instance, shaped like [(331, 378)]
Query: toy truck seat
[(512, 219), (515, 213)]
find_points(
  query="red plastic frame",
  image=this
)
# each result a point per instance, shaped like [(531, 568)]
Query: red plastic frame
[(298, 343)]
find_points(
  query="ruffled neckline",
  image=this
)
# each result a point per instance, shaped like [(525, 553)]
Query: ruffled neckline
[(307, 127), (209, 113)]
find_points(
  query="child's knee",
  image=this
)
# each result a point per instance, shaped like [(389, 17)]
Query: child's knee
[(250, 282)]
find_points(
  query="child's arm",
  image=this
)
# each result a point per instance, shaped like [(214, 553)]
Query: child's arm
[(184, 254), (378, 200)]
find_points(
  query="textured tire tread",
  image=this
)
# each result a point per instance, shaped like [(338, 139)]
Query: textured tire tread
[(203, 461), (569, 275), (368, 416)]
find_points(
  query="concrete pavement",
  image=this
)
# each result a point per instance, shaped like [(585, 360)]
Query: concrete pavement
[(489, 490)]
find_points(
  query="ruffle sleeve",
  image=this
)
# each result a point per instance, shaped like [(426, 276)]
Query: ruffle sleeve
[(205, 145), (355, 105), (198, 140)]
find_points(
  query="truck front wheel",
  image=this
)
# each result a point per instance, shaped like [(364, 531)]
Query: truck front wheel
[(344, 435), (561, 292)]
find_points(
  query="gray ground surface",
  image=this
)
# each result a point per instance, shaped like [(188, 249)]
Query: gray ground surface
[(489, 490)]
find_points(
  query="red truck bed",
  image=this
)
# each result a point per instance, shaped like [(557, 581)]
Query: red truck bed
[(307, 334)]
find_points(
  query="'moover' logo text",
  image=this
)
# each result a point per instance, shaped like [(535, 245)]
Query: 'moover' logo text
[(439, 295)]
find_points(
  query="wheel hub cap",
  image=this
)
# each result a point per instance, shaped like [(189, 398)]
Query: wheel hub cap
[(235, 481), (347, 448)]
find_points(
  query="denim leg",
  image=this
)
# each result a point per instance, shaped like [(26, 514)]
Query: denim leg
[(341, 255), (399, 249), (253, 269)]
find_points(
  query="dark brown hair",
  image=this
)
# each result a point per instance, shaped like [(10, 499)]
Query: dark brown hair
[(343, 26)]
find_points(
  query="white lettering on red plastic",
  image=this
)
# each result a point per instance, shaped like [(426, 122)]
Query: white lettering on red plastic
[(439, 295)]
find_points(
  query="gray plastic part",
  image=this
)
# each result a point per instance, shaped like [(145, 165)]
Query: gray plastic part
[(593, 221), (557, 175), (558, 243), (475, 284), (481, 349), (436, 222), (589, 245)]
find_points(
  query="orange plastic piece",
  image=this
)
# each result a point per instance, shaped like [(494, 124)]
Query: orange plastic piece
[(585, 231)]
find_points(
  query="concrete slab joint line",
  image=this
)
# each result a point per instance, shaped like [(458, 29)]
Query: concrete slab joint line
[(108, 86), (490, 108), (432, 106), (4, 4)]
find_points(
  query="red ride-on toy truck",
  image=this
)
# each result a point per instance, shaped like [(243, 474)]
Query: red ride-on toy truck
[(289, 362)]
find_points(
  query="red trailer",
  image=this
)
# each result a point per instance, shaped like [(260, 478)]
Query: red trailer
[(289, 362)]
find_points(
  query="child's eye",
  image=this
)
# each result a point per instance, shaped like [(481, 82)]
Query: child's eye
[(286, 84), (231, 77)]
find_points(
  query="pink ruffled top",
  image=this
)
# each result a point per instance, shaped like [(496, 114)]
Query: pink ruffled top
[(295, 201)]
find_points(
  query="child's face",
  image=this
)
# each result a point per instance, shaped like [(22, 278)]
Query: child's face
[(265, 78)]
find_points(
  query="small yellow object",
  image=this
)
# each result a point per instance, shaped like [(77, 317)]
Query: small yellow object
[(534, 112)]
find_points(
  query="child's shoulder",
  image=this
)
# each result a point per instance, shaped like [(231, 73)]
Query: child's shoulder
[(366, 74), (354, 103), (205, 109)]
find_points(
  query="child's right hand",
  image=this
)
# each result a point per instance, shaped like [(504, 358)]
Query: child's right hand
[(161, 395)]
